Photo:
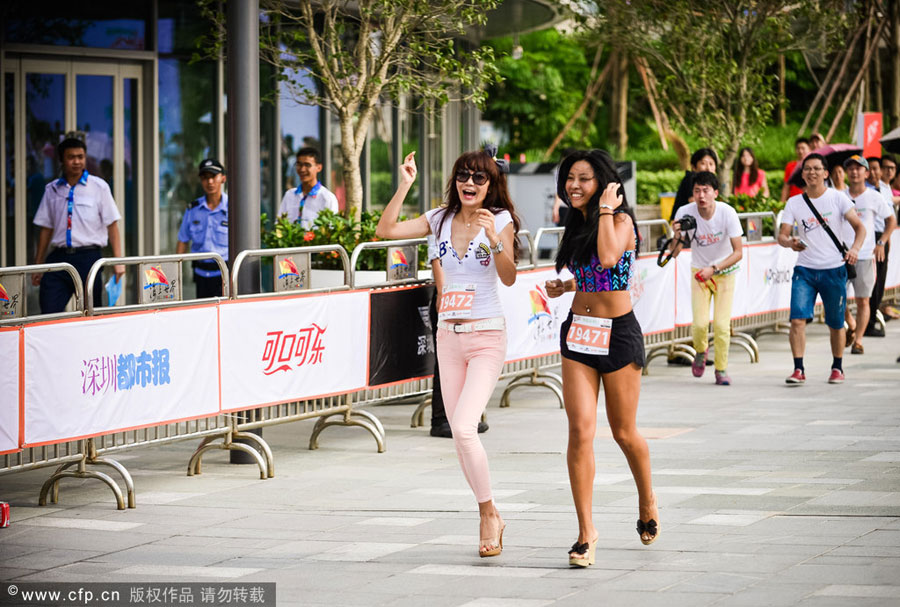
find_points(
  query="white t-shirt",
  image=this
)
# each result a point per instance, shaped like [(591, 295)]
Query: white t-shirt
[(869, 206), (319, 198), (477, 264), (93, 211), (821, 254), (885, 190), (711, 242)]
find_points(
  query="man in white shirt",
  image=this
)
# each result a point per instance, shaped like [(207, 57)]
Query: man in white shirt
[(820, 265), (304, 203), (716, 250), (77, 217), (874, 181), (870, 206)]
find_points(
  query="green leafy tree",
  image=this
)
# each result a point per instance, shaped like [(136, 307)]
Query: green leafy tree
[(714, 61), (539, 91), (361, 51)]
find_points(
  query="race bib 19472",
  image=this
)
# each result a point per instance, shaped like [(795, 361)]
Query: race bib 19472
[(589, 335), (456, 301)]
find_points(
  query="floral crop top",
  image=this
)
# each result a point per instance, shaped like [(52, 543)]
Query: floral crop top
[(594, 278)]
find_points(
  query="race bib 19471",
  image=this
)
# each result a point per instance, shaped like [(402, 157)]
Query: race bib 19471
[(589, 335), (456, 301)]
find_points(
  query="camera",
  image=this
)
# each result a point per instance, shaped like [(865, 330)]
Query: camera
[(687, 222)]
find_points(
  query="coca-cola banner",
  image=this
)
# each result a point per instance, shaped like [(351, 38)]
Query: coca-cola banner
[(98, 375), (9, 390), (293, 348)]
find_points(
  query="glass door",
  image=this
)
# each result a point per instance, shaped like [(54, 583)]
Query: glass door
[(44, 101)]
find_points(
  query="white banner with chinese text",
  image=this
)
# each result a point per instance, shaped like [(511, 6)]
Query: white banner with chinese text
[(9, 390), (106, 374), (293, 348)]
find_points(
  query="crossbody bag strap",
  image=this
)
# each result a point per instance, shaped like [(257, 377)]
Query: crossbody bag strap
[(842, 248)]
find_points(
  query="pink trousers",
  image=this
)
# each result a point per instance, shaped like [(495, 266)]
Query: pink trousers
[(470, 366)]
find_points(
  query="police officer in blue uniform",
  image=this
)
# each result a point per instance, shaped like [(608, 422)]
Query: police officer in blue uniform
[(205, 228)]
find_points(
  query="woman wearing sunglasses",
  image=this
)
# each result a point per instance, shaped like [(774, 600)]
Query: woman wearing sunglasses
[(476, 238), (601, 340)]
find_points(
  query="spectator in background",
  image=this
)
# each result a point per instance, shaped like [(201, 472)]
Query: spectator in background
[(837, 177), (816, 141), (304, 203), (801, 148), (704, 159), (875, 182), (748, 178), (869, 205), (204, 229), (889, 177)]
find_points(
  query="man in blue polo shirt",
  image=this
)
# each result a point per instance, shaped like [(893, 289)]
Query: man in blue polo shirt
[(205, 228), (77, 217), (304, 203)]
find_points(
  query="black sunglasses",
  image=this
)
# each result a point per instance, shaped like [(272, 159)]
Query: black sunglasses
[(478, 177)]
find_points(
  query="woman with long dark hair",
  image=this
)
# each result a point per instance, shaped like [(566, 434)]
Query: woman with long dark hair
[(601, 340), (748, 178), (475, 234)]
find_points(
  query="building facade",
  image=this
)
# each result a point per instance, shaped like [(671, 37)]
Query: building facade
[(125, 77)]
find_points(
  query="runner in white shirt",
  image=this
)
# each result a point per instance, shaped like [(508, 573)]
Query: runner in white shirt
[(869, 205), (716, 249), (476, 239), (304, 202), (820, 264)]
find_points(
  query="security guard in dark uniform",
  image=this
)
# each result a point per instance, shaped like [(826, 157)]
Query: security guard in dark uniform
[(205, 227)]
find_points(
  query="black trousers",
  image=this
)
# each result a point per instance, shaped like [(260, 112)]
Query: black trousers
[(438, 414), (208, 286), (58, 287), (880, 277)]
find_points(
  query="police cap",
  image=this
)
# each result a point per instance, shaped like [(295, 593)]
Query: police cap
[(211, 165)]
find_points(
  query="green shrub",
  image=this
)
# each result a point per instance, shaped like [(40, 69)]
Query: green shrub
[(650, 184), (331, 228)]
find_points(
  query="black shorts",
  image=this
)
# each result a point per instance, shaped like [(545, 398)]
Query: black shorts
[(626, 345)]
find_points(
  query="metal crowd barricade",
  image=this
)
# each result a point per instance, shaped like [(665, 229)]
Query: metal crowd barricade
[(169, 295), (91, 451), (331, 411), (15, 310)]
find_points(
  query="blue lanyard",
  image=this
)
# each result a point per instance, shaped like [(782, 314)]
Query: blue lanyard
[(315, 190), (70, 203)]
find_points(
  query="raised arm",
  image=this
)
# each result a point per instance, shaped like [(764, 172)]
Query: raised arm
[(615, 234), (388, 226)]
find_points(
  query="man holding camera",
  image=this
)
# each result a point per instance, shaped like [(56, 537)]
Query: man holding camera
[(820, 214), (715, 234)]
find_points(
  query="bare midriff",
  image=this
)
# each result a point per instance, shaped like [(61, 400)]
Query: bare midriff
[(605, 304)]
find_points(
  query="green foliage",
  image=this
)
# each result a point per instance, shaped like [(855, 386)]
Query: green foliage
[(714, 60), (742, 203), (650, 184), (539, 92), (331, 228)]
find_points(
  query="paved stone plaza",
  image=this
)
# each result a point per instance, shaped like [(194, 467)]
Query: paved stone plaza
[(769, 495)]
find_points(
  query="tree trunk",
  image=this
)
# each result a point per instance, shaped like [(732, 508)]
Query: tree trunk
[(839, 78), (611, 135), (878, 98), (782, 101), (350, 168), (622, 102)]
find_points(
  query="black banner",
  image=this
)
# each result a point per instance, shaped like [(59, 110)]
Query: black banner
[(400, 335)]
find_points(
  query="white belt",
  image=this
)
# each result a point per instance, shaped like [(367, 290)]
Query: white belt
[(488, 324)]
